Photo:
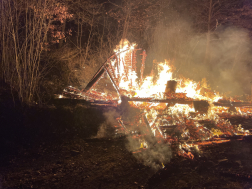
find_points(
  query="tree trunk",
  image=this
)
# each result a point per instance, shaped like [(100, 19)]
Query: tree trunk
[(206, 59)]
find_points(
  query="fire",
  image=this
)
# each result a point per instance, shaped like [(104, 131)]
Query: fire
[(156, 90), (189, 111), (127, 80), (179, 114), (149, 87)]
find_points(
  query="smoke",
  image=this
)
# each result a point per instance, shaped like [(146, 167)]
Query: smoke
[(143, 145), (224, 60), (154, 155), (107, 128)]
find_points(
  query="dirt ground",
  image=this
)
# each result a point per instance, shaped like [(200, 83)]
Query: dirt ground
[(55, 148)]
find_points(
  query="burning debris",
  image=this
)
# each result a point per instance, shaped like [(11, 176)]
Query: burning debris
[(157, 111)]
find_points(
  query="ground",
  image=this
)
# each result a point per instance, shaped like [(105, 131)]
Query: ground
[(57, 147)]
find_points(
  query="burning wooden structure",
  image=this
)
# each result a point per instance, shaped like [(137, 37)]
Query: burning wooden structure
[(172, 109)]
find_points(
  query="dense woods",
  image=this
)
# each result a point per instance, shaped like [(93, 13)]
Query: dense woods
[(47, 45)]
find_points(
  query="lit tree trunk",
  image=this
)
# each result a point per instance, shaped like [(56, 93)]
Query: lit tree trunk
[(61, 41), (206, 59)]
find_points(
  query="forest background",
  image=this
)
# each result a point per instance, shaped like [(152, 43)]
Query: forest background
[(48, 45)]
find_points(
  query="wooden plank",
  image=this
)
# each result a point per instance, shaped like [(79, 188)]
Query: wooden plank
[(94, 80), (233, 104)]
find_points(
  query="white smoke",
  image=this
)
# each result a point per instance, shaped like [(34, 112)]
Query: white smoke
[(107, 128), (154, 156), (227, 65)]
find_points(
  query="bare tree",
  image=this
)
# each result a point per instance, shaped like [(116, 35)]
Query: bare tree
[(135, 18), (24, 36), (208, 15)]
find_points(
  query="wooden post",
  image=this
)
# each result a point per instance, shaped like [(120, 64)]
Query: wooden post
[(142, 66), (171, 86)]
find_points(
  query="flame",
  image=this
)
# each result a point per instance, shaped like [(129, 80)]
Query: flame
[(128, 79), (157, 89), (154, 88), (125, 80), (196, 127)]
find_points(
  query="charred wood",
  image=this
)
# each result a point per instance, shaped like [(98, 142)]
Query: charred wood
[(233, 104)]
